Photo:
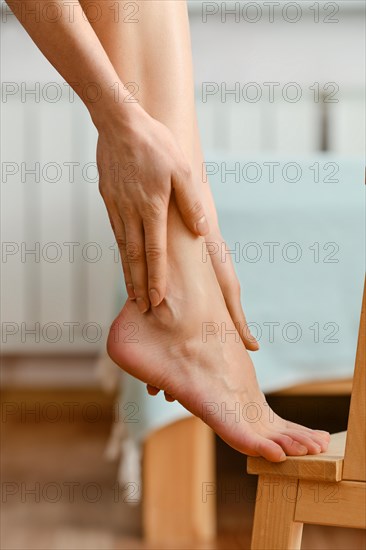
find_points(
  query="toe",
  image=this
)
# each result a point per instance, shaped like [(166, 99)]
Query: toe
[(294, 425), (169, 397), (152, 390), (290, 446), (319, 439), (270, 450), (305, 439), (323, 434)]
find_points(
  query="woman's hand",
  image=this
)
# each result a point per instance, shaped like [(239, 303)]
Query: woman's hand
[(140, 163)]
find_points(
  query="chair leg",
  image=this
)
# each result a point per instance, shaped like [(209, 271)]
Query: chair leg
[(178, 470), (274, 527)]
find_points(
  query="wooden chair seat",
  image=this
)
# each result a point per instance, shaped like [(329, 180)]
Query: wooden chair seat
[(324, 467)]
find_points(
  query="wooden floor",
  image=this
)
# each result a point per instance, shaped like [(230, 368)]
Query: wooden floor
[(62, 462)]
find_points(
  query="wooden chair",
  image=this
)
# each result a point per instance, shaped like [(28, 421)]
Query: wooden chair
[(325, 489)]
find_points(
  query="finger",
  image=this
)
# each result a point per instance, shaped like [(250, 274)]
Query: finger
[(189, 203), (230, 288), (120, 235), (156, 255), (121, 241), (233, 302), (135, 257), (235, 309)]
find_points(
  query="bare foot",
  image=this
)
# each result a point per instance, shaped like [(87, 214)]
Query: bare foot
[(188, 347)]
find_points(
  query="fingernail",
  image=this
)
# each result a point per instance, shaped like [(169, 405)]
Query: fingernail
[(131, 291), (154, 297), (255, 343), (283, 457), (141, 304), (302, 449), (202, 226)]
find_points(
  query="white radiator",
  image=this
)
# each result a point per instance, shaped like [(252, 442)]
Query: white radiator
[(61, 281)]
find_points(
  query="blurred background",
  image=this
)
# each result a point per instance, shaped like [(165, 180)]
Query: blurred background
[(280, 98)]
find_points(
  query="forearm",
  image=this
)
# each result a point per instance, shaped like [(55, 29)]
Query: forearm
[(71, 45), (149, 158)]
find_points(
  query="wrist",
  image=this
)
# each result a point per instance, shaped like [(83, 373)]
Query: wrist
[(110, 113)]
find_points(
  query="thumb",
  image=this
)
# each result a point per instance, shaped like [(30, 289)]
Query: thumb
[(190, 205)]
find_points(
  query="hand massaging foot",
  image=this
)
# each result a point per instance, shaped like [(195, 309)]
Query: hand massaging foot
[(210, 373)]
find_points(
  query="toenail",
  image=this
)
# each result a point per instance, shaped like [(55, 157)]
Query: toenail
[(141, 304), (154, 297), (131, 291)]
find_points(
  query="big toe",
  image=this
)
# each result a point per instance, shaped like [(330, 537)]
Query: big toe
[(267, 448)]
